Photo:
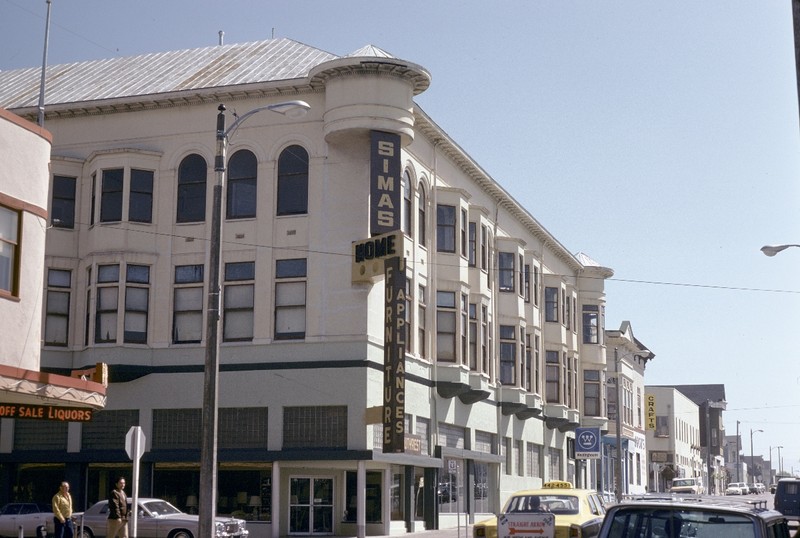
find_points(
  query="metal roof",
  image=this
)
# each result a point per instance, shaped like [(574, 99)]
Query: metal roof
[(162, 73)]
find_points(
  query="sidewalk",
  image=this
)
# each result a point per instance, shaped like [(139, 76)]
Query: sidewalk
[(454, 532)]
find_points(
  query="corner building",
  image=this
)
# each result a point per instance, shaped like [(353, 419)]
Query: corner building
[(500, 315)]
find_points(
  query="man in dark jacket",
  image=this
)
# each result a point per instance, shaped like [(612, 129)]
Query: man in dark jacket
[(117, 525)]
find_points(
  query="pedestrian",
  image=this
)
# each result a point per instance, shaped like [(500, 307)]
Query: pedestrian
[(117, 525), (62, 511)]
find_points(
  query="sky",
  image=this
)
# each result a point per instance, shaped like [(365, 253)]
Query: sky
[(660, 138)]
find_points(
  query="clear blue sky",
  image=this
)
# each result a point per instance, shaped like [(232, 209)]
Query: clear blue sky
[(661, 138)]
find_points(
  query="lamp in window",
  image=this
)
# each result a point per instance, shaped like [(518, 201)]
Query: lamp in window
[(255, 504), (191, 503)]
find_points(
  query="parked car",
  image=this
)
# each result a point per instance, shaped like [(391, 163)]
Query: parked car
[(752, 489), (697, 517), (761, 487), (687, 485), (25, 515), (773, 487), (787, 498), (156, 519), (736, 488), (578, 512)]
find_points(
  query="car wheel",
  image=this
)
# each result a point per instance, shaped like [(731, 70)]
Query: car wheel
[(85, 534), (180, 533)]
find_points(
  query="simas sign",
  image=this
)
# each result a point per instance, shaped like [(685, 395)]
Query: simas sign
[(384, 182), (46, 412), (394, 353)]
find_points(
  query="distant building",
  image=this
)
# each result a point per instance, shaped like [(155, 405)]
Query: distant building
[(674, 445), (628, 358)]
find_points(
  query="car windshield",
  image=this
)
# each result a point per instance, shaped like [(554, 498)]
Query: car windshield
[(660, 523), (557, 504), (161, 508), (683, 482)]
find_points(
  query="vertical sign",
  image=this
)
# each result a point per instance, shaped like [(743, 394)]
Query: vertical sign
[(394, 354), (650, 413), (384, 182)]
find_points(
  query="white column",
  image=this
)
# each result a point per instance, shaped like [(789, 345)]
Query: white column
[(361, 500), (276, 499)]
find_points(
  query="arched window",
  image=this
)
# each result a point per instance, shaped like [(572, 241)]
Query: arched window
[(192, 189), (407, 215), (421, 212), (241, 194), (293, 181)]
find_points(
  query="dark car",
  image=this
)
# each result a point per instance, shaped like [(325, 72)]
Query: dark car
[(25, 515), (696, 517), (787, 498)]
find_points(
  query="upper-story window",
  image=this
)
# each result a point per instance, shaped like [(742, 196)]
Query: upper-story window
[(446, 326), (56, 322), (464, 233), (241, 194), (136, 304), (591, 394), (508, 354), (505, 272), (421, 228), (293, 181), (192, 189), (591, 328), (290, 298), (111, 184), (112, 195), (484, 248), (187, 309), (9, 250), (62, 209), (140, 200), (238, 302), (551, 304), (552, 377), (407, 217), (445, 228), (473, 244), (473, 337), (137, 293)]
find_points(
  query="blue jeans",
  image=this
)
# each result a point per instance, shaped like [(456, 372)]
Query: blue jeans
[(63, 530)]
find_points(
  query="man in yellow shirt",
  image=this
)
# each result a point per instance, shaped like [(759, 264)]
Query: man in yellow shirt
[(62, 512)]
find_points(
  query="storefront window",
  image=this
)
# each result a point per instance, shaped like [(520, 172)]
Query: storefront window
[(373, 504), (450, 486), (481, 487)]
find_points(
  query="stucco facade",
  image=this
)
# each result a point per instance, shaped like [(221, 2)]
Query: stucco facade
[(496, 312)]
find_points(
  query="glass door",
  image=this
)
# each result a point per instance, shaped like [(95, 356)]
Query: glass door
[(311, 506)]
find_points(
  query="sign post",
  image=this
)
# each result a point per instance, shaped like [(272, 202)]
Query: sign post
[(134, 447)]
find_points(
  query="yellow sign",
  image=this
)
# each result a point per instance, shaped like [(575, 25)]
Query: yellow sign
[(558, 484), (650, 411)]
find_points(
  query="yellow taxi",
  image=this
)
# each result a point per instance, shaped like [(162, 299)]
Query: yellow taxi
[(578, 512)]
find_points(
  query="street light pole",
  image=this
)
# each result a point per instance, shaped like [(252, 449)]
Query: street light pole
[(208, 442), (618, 473), (780, 461), (752, 460)]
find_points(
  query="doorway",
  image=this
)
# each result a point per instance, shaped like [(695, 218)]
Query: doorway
[(310, 505)]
